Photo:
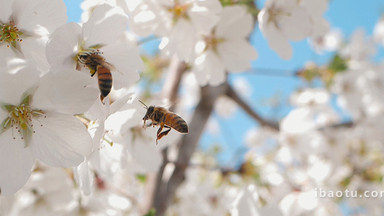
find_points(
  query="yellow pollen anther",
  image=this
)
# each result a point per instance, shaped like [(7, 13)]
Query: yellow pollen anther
[(10, 34), (20, 119)]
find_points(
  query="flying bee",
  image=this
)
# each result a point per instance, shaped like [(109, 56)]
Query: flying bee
[(164, 118), (97, 64)]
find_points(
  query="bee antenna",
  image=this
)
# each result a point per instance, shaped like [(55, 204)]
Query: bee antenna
[(145, 106)]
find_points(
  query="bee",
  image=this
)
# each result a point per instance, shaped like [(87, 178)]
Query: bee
[(97, 64), (164, 118)]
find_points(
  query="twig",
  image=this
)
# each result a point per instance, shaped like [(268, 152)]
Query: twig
[(263, 122), (156, 186), (188, 144)]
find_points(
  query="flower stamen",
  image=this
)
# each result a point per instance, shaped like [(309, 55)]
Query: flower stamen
[(10, 34), (212, 42), (179, 11), (20, 119)]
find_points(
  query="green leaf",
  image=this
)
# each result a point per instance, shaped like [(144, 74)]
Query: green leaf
[(151, 212), (338, 64)]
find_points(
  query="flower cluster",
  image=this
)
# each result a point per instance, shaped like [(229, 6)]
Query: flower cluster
[(70, 97), (44, 92)]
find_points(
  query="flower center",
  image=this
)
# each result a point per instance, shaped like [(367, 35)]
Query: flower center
[(212, 41), (20, 119), (179, 11), (10, 34)]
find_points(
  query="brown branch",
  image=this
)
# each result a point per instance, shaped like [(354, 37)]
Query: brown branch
[(172, 83), (187, 145), (263, 122), (155, 184), (340, 125)]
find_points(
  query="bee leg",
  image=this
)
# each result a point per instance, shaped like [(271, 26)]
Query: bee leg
[(78, 66), (93, 72), (158, 131), (164, 133), (149, 125)]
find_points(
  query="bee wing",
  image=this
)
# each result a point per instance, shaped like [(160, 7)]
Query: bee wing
[(111, 67)]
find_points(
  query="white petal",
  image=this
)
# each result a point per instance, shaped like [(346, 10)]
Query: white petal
[(66, 91), (62, 44), (16, 162), (235, 22), (126, 60), (105, 26), (3, 115), (143, 151), (277, 41), (245, 204), (14, 86), (61, 141), (236, 54), (83, 177), (205, 14), (297, 26), (316, 8), (29, 15), (182, 33), (5, 10), (209, 68), (6, 53), (34, 49)]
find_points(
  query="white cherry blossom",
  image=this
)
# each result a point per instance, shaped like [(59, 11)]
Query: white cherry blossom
[(100, 34), (38, 123), (177, 22), (226, 48), (282, 21), (25, 26), (378, 32)]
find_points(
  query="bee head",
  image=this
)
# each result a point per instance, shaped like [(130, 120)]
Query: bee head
[(83, 57), (149, 112)]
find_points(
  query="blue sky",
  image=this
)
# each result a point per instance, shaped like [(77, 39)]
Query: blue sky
[(347, 15)]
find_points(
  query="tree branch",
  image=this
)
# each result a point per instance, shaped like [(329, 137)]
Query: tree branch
[(263, 122), (155, 183), (187, 146)]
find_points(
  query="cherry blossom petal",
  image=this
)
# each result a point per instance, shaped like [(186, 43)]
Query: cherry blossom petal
[(236, 54), (181, 40), (5, 10), (14, 86), (61, 47), (6, 54), (276, 40), (106, 25), (61, 141), (209, 68), (34, 50), (235, 22), (83, 177), (316, 8), (30, 15), (66, 91), (127, 62), (245, 204), (142, 152), (16, 163), (297, 25), (205, 14)]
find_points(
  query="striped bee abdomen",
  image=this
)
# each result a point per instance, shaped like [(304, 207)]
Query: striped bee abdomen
[(176, 122), (105, 80)]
